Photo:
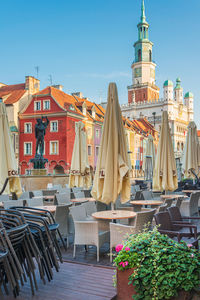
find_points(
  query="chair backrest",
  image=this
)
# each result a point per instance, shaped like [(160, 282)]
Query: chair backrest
[(162, 208), (133, 190), (35, 202), (174, 213), (163, 220), (4, 198), (57, 187), (77, 189), (168, 202), (90, 208), (8, 204), (79, 194), (147, 195), (78, 213), (24, 195), (49, 192), (87, 193), (37, 193), (62, 218), (178, 202), (137, 188), (62, 199), (139, 195), (64, 191), (193, 205), (144, 218)]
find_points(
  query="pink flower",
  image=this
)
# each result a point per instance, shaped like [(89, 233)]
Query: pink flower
[(192, 255), (119, 248), (126, 263), (127, 249), (123, 264), (189, 245)]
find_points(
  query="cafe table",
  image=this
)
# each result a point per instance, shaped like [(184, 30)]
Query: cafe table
[(139, 203), (82, 200), (190, 191), (50, 208), (113, 215), (50, 197), (172, 196)]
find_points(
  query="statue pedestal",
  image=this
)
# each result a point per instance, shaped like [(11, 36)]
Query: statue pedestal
[(38, 172)]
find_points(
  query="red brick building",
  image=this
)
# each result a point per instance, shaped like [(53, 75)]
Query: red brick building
[(59, 139)]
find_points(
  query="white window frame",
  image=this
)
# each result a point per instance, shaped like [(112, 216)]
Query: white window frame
[(50, 147), (51, 126), (28, 154), (44, 101), (91, 150), (35, 108), (29, 123)]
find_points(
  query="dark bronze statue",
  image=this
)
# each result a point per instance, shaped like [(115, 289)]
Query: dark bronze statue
[(40, 130)]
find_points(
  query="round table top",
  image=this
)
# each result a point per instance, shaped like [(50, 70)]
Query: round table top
[(50, 197), (146, 202), (51, 208), (114, 214), (172, 196), (190, 191), (82, 200)]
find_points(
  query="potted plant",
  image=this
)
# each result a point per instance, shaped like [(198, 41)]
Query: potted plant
[(150, 265)]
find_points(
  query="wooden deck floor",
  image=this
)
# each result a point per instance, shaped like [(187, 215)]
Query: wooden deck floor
[(74, 281)]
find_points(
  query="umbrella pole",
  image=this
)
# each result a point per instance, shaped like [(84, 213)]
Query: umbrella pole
[(112, 206)]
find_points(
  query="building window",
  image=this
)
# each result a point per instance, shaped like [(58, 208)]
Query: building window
[(89, 150), (178, 146), (37, 105), (97, 133), (54, 126), (54, 147), (28, 148), (27, 127), (97, 150), (150, 55), (139, 55), (46, 104)]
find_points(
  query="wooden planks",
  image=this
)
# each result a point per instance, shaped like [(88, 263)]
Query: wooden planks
[(73, 282)]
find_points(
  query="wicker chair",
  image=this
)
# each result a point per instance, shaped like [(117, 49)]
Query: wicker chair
[(35, 202), (4, 198), (176, 216), (118, 232), (11, 203), (62, 218), (25, 195), (87, 232), (168, 202), (62, 199), (190, 207), (173, 230)]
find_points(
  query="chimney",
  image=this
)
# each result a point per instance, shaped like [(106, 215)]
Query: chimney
[(58, 86), (32, 84), (77, 94)]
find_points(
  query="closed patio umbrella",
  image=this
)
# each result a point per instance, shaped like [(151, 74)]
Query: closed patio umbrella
[(112, 172), (191, 153), (165, 174), (8, 164), (149, 158), (80, 170)]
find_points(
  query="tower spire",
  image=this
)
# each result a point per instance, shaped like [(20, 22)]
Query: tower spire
[(143, 17)]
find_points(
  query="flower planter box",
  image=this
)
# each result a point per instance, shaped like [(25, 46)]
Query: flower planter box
[(126, 291)]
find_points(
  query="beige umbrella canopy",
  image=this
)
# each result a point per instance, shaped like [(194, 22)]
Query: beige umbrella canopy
[(8, 165), (149, 158), (80, 170), (165, 175), (191, 153), (112, 172)]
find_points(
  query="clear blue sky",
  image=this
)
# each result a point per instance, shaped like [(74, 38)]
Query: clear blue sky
[(85, 44)]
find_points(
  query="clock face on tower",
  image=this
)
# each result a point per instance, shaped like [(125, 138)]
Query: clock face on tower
[(137, 72)]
